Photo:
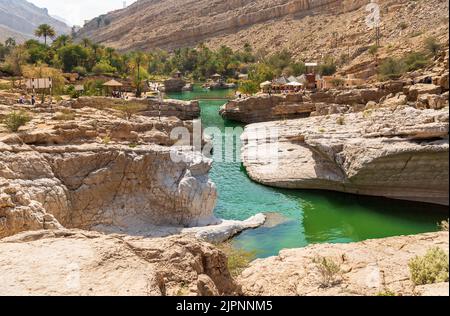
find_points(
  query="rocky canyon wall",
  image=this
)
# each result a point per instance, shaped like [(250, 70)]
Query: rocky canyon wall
[(174, 23), (90, 187)]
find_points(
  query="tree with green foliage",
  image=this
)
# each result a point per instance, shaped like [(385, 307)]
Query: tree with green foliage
[(15, 120), (327, 67), (45, 31), (248, 87), (391, 68), (138, 61), (86, 42), (61, 41), (415, 61), (103, 68), (10, 42), (72, 56), (15, 60), (432, 45)]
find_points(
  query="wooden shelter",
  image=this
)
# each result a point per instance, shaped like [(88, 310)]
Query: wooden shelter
[(112, 86)]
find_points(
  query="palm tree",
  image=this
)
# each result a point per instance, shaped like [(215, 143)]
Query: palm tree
[(86, 42), (10, 42), (45, 30), (138, 59), (110, 51), (62, 41)]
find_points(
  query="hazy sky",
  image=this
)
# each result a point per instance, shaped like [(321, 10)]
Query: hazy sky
[(76, 11)]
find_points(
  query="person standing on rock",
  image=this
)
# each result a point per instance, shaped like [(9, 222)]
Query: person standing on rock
[(33, 100)]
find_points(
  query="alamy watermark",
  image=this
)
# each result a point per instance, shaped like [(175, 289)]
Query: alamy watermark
[(225, 145), (373, 19)]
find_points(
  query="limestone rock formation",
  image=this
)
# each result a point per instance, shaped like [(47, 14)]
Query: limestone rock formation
[(20, 18), (174, 85), (93, 187), (73, 262), (266, 108), (397, 153), (263, 107), (86, 167), (366, 268), (184, 110)]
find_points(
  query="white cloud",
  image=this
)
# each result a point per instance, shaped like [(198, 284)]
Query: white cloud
[(77, 11)]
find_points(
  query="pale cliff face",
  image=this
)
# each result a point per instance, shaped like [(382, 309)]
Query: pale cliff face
[(98, 171)]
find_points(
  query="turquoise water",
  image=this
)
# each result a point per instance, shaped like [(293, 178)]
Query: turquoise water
[(306, 217)]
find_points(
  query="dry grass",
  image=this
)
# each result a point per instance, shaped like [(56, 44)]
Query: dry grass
[(238, 259)]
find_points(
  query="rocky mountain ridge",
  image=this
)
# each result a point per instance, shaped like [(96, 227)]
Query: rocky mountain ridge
[(20, 18)]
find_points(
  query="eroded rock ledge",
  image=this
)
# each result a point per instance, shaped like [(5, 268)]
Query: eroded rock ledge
[(367, 268), (400, 154), (73, 262), (91, 186)]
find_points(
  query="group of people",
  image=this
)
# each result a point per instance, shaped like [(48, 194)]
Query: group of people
[(23, 100), (118, 94)]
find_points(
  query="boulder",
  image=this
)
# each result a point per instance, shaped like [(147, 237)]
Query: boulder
[(75, 262), (368, 268), (416, 90), (399, 153)]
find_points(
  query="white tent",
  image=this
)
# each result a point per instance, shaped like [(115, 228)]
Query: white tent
[(295, 84)]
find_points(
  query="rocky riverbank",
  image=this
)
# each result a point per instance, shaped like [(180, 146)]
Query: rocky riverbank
[(73, 262), (184, 110), (399, 153), (81, 164), (369, 268)]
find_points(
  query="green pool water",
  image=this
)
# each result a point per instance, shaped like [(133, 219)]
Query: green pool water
[(305, 217)]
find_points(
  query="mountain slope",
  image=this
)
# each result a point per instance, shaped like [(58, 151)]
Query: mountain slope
[(171, 24), (20, 18)]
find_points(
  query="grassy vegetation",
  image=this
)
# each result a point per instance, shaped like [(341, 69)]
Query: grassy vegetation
[(65, 55), (15, 120), (386, 293), (444, 226), (65, 115), (329, 271), (431, 268), (393, 68), (130, 109), (238, 259), (340, 120)]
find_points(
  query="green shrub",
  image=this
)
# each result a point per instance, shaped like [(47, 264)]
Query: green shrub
[(373, 50), (415, 61), (129, 109), (432, 45), (391, 69), (65, 115), (337, 82), (386, 293), (15, 120), (80, 70), (328, 67), (340, 120), (238, 259), (444, 226), (103, 67), (106, 140), (329, 271), (431, 268), (248, 87), (403, 25)]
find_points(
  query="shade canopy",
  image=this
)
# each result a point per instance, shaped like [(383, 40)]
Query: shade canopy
[(295, 84), (112, 83)]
